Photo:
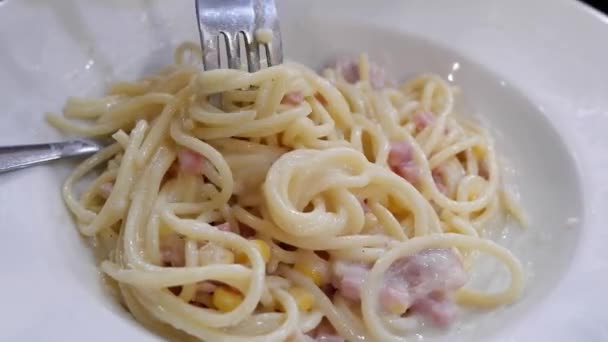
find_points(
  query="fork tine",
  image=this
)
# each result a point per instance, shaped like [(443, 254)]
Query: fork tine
[(211, 52), (253, 52), (233, 49), (209, 40), (266, 18), (274, 50), (229, 19)]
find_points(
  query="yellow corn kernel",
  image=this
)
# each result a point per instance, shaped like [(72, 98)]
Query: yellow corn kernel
[(397, 308), (261, 246), (479, 152), (303, 298), (310, 271), (164, 230), (212, 253), (225, 299), (472, 196)]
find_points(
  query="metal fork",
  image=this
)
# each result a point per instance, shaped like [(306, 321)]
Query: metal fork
[(229, 20), (236, 22)]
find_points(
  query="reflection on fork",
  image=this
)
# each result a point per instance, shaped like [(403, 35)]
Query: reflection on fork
[(248, 26)]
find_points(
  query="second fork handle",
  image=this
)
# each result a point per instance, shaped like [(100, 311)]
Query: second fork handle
[(21, 156)]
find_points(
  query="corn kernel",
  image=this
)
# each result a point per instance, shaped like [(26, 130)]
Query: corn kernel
[(397, 308), (472, 196), (303, 298), (261, 246), (310, 271), (479, 151), (164, 230), (225, 299)]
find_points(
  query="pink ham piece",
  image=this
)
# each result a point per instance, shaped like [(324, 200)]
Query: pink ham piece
[(172, 249), (293, 98), (348, 278), (105, 189), (349, 69), (423, 282), (190, 162), (401, 161), (438, 307), (246, 231), (422, 119), (225, 227), (438, 179), (173, 246), (205, 287), (426, 281)]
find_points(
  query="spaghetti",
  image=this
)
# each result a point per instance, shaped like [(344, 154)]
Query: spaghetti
[(282, 204)]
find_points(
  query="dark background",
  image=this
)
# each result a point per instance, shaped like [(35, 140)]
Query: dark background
[(601, 5)]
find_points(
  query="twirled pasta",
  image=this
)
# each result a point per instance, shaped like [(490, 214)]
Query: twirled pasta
[(254, 185)]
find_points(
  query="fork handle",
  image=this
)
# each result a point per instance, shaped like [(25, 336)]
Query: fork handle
[(21, 156)]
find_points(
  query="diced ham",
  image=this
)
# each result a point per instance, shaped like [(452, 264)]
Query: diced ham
[(203, 292), (348, 278), (105, 189), (395, 296), (190, 162), (422, 119), (423, 282), (328, 289), (438, 307), (246, 231), (350, 286), (349, 69), (377, 76), (205, 287), (401, 161), (172, 248), (439, 182), (435, 269), (293, 98), (224, 227), (428, 278)]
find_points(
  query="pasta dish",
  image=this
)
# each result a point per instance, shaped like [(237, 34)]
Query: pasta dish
[(284, 205)]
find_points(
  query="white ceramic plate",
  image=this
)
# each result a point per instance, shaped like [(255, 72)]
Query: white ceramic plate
[(534, 71)]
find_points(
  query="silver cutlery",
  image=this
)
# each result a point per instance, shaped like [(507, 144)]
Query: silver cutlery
[(251, 26), (236, 22), (21, 156)]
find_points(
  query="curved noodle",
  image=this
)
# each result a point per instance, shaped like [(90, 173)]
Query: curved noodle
[(231, 200)]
